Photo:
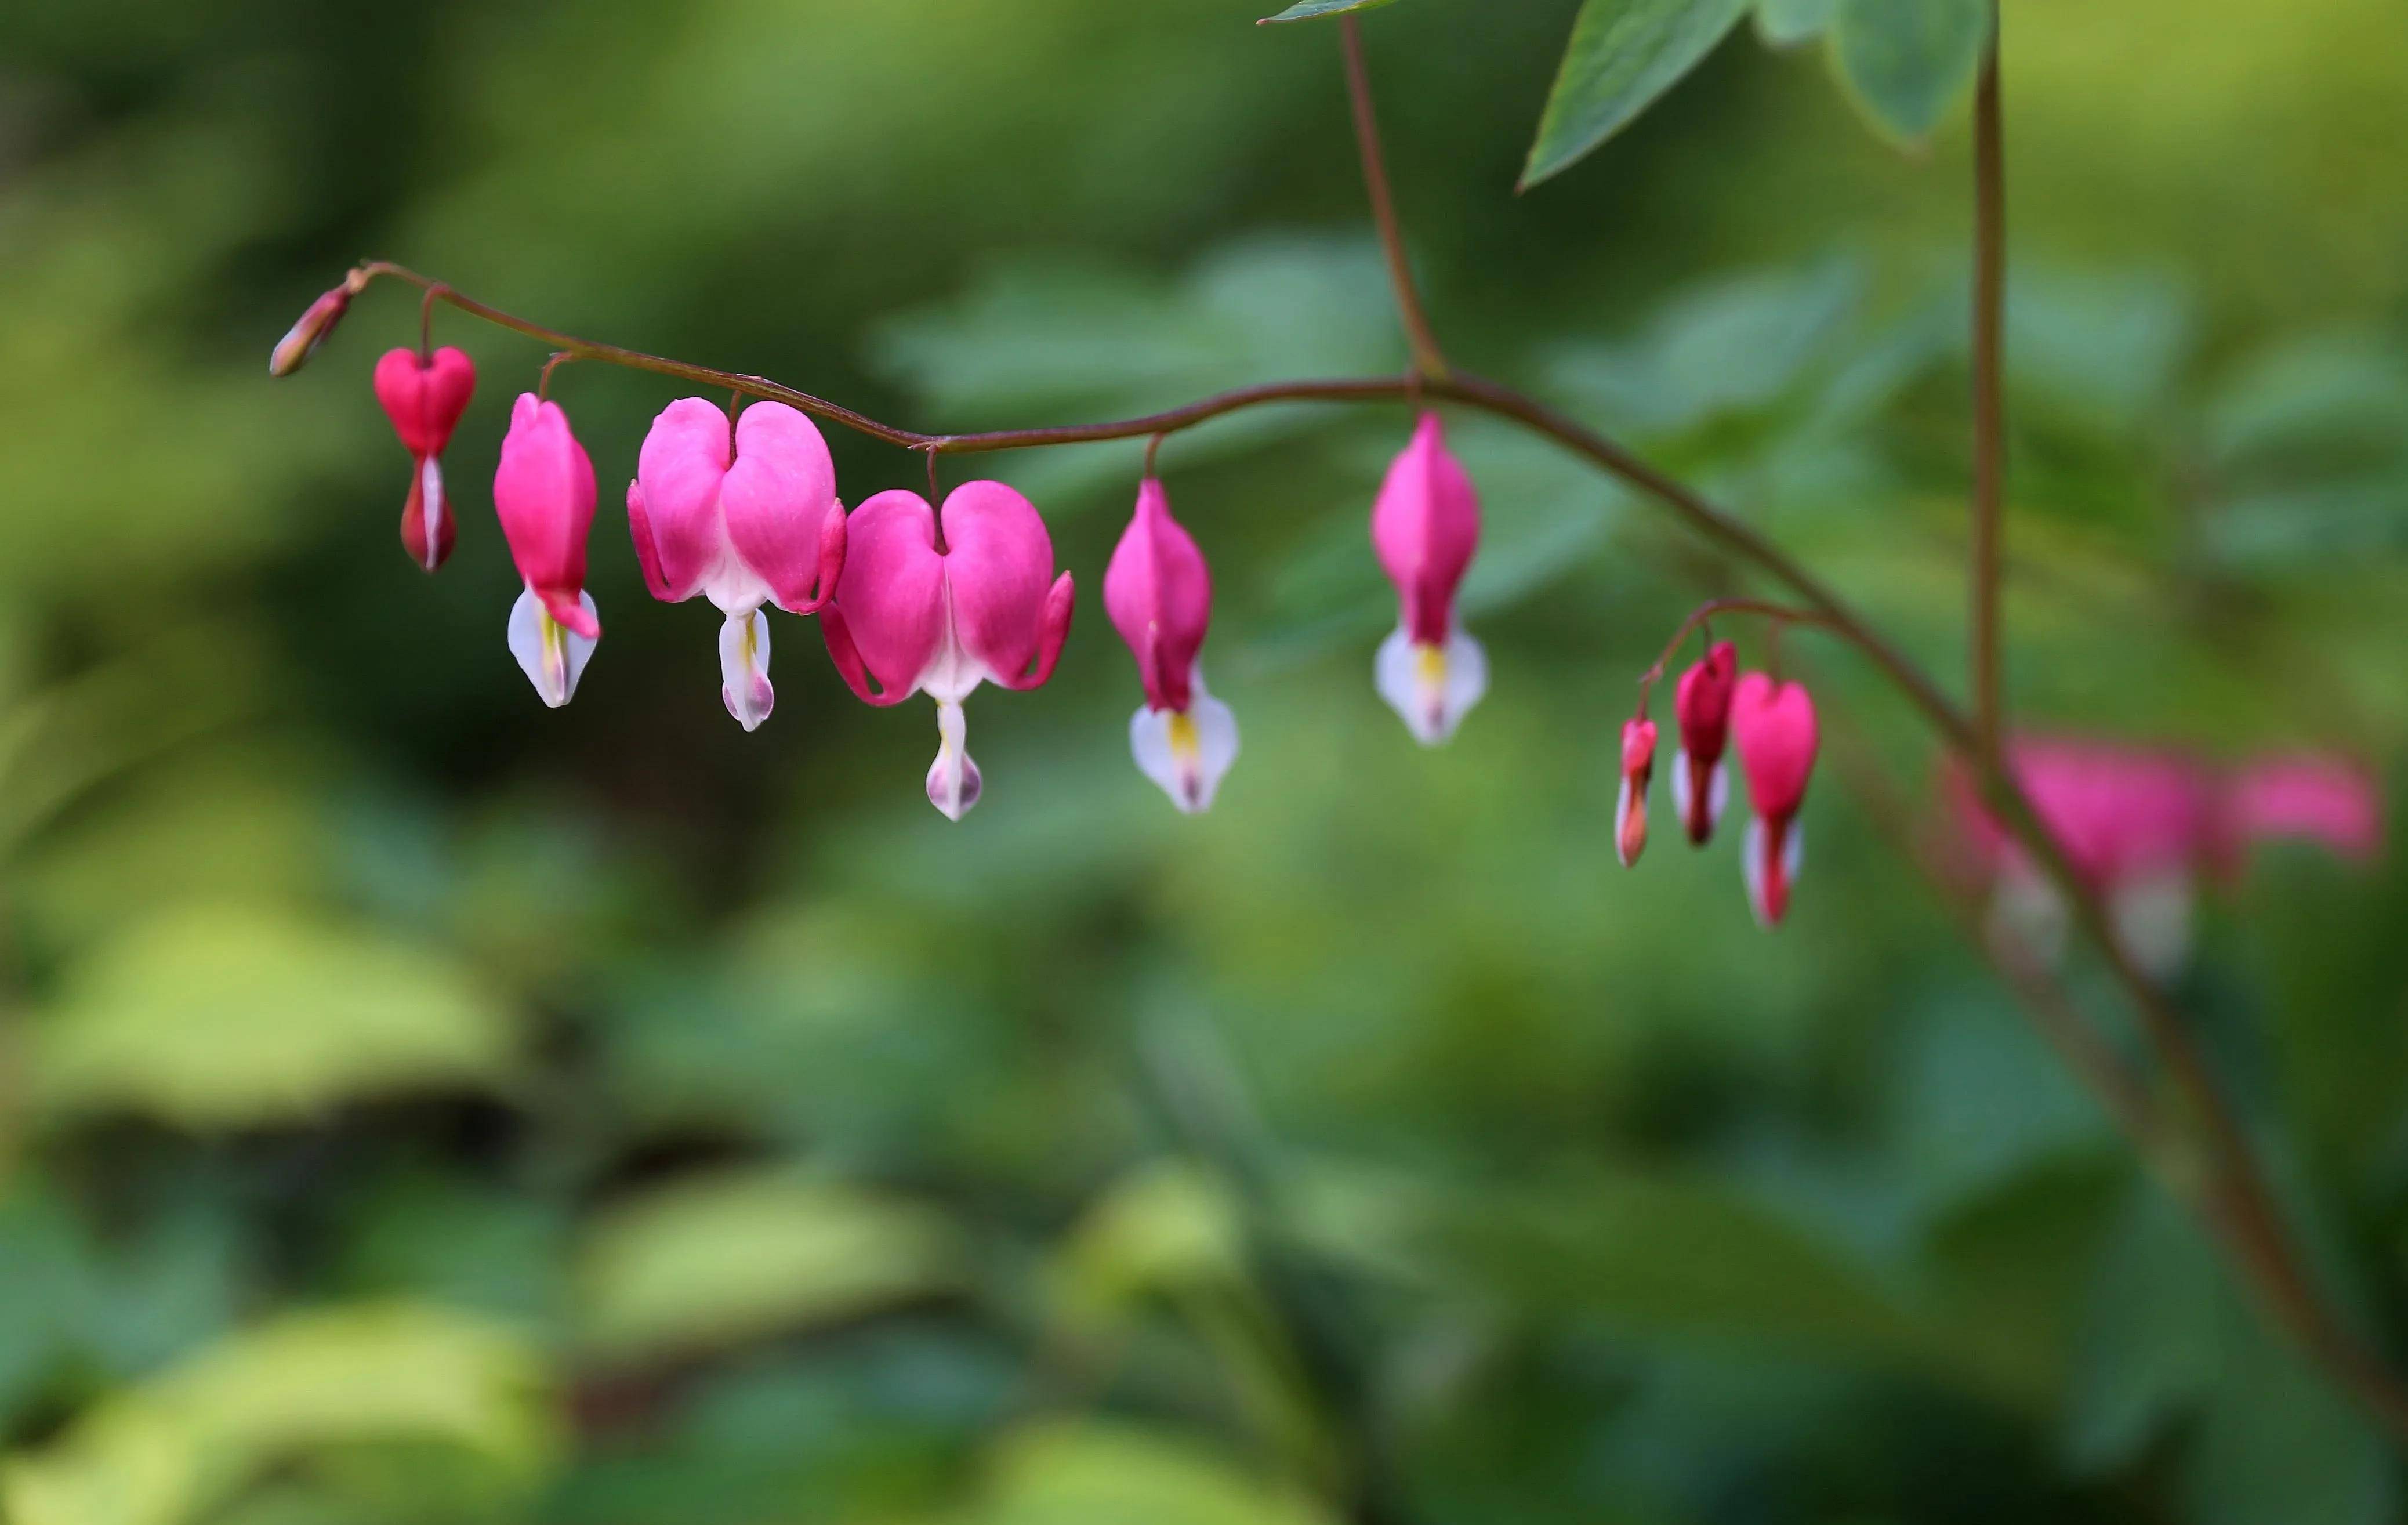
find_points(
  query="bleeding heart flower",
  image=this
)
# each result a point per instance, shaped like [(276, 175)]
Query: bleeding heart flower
[(1631, 810), (1774, 725), (756, 524), (939, 605), (424, 397), (1701, 704), (2144, 826), (1425, 527), (1159, 593), (543, 493)]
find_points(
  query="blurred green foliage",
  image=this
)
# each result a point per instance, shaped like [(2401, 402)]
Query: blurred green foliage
[(417, 1105)]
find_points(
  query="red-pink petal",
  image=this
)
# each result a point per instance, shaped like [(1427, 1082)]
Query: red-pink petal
[(1775, 726), (1425, 527), (543, 493), (425, 399), (999, 564), (681, 469), (892, 593), (1158, 592), (2321, 798), (778, 497)]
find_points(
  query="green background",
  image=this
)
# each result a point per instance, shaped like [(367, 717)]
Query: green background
[(417, 1105)]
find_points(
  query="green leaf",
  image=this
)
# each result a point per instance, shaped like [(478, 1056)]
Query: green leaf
[(718, 1261), (1068, 1471), (2278, 1442), (182, 1446), (1305, 11), (222, 1017), (1905, 62), (1624, 53), (1786, 23)]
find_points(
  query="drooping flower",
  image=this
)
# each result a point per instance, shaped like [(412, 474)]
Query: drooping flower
[(2145, 827), (543, 493), (937, 602), (753, 526), (1158, 592), (1702, 703), (1630, 809), (1425, 527), (424, 397), (1774, 725)]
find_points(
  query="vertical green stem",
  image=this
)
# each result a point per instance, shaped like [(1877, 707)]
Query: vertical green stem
[(1989, 401), (1427, 359)]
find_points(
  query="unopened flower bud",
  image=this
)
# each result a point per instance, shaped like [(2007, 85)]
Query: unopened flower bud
[(1631, 810), (301, 341)]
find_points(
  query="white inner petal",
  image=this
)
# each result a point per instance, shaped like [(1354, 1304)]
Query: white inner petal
[(953, 782), (1431, 687), (552, 656), (431, 508), (951, 673), (1752, 863), (745, 668), (1685, 796), (2152, 919), (2028, 918), (1186, 755)]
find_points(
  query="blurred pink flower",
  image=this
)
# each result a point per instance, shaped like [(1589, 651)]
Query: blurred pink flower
[(1630, 806), (1701, 704), (2307, 796), (1775, 726), (2146, 825)]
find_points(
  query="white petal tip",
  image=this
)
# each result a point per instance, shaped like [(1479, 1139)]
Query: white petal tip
[(552, 656), (1186, 753), (1771, 881), (954, 783), (1431, 687), (744, 669)]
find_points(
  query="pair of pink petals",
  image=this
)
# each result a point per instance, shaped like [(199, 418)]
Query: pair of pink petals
[(939, 603), (743, 517)]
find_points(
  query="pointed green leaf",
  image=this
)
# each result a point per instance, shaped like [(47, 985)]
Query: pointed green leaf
[(1305, 11), (1906, 62), (1624, 53)]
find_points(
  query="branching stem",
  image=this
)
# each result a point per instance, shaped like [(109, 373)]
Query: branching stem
[(2229, 1193), (1780, 615)]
